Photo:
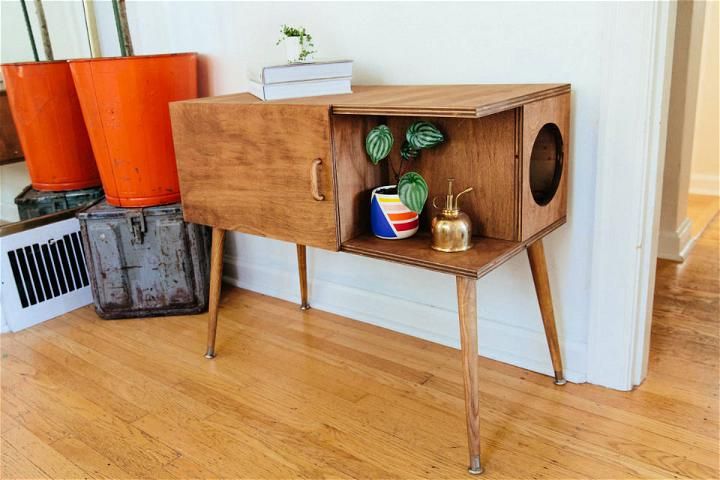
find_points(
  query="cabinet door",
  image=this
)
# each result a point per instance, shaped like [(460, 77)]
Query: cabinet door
[(262, 169)]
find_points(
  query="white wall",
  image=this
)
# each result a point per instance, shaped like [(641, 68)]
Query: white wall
[(66, 25), (675, 240), (13, 178), (705, 170)]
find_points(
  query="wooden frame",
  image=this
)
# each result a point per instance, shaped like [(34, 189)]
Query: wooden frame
[(296, 170), (634, 130)]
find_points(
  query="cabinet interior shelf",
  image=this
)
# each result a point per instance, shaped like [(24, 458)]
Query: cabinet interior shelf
[(485, 256)]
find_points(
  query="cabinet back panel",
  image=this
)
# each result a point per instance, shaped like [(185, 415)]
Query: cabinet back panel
[(479, 153)]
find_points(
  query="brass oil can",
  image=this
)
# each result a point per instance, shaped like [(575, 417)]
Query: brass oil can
[(451, 228)]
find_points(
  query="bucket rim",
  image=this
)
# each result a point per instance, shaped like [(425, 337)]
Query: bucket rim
[(102, 210), (32, 62), (134, 57)]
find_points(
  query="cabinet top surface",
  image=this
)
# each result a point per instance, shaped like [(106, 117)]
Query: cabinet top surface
[(427, 100)]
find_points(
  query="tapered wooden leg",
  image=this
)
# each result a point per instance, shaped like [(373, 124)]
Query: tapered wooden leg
[(216, 266), (467, 311), (302, 273), (536, 255)]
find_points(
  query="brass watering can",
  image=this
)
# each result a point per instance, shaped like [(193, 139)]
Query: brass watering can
[(451, 228)]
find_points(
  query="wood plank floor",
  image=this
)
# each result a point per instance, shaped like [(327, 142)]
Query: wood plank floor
[(314, 395), (702, 209)]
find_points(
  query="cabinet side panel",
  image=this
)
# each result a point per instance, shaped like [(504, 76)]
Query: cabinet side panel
[(249, 168), (478, 153), (554, 110), (356, 177)]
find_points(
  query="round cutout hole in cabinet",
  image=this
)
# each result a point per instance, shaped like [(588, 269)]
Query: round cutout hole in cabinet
[(546, 164)]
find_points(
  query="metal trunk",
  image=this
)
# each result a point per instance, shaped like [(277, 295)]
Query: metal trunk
[(33, 203), (145, 261)]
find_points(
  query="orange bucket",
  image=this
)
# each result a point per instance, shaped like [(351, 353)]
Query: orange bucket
[(50, 126), (125, 104)]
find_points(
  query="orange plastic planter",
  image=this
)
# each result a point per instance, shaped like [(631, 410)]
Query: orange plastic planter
[(124, 102), (50, 126)]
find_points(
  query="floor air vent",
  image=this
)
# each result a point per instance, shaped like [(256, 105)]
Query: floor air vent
[(43, 274)]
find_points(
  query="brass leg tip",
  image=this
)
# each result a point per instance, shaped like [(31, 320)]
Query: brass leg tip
[(475, 468), (305, 306), (210, 354), (560, 380)]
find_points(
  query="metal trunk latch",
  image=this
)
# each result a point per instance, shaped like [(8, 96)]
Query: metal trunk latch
[(136, 219)]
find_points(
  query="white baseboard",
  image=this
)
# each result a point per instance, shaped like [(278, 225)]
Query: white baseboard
[(703, 184), (506, 343), (675, 245)]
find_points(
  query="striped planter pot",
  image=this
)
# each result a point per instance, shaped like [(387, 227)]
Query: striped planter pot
[(389, 218)]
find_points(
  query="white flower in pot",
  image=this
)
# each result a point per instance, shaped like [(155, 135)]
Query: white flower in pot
[(298, 44)]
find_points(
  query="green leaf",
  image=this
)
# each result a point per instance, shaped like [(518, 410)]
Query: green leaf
[(407, 152), (378, 143), (413, 191), (423, 135)]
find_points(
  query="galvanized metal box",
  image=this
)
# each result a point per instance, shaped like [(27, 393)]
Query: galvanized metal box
[(145, 261), (33, 203)]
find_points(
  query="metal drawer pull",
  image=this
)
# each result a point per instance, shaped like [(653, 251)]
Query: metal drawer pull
[(314, 179)]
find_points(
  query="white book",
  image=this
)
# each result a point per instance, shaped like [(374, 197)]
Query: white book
[(298, 72), (312, 88)]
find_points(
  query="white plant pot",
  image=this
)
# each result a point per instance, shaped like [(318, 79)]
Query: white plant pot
[(293, 49)]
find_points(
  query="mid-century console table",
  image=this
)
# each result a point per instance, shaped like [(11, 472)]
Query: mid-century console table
[(296, 170)]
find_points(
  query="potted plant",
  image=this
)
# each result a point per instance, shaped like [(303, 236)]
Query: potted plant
[(298, 43), (124, 102), (394, 209)]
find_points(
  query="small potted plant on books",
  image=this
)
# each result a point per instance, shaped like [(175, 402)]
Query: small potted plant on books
[(394, 209), (298, 44)]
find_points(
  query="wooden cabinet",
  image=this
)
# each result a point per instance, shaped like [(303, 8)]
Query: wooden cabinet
[(262, 169), (296, 170)]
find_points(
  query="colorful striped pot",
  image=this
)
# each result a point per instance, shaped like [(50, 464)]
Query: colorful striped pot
[(389, 218)]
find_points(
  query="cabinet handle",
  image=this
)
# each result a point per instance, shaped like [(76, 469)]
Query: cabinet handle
[(314, 179)]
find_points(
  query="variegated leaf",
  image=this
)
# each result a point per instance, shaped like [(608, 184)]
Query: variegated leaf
[(413, 191), (423, 135), (378, 143)]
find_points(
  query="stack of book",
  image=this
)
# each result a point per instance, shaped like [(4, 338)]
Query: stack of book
[(292, 80)]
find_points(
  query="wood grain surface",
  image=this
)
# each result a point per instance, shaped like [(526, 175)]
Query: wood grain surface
[(356, 176), (302, 275), (478, 153), (535, 115), (486, 255), (538, 267), (467, 313), (315, 395), (250, 169), (216, 269), (470, 101)]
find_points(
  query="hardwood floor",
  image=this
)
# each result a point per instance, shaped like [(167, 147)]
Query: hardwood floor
[(702, 209), (310, 394)]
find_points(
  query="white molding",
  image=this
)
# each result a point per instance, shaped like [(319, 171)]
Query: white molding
[(675, 244), (499, 341), (704, 184), (631, 143)]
